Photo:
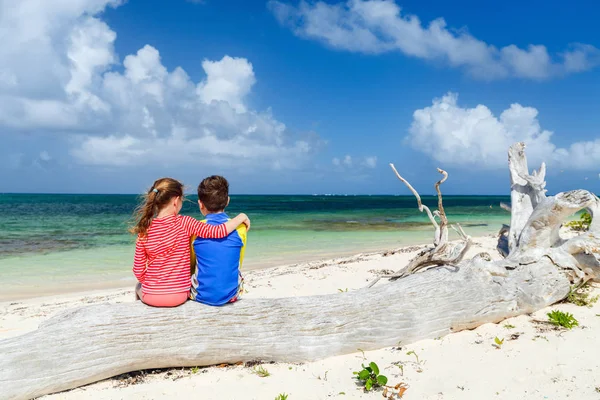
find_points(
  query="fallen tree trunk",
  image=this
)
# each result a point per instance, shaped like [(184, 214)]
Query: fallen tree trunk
[(100, 341), (96, 342)]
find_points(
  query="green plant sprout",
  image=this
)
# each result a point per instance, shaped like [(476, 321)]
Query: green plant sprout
[(369, 377), (262, 372), (559, 318), (415, 354), (580, 296), (419, 363), (401, 366), (582, 224), (363, 353), (498, 342)]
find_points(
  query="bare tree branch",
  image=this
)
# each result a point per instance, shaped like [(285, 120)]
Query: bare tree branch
[(419, 202)]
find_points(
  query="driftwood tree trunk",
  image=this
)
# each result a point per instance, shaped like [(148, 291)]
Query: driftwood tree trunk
[(96, 342), (527, 191)]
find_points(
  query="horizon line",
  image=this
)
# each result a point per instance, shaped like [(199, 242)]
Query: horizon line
[(251, 194)]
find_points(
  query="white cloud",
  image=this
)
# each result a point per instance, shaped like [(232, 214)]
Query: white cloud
[(370, 162), (228, 80), (45, 156), (454, 135), (378, 26), (58, 75), (348, 162)]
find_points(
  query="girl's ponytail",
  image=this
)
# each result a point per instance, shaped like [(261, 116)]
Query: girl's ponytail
[(155, 199)]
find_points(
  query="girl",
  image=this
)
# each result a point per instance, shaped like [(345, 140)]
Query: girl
[(162, 251)]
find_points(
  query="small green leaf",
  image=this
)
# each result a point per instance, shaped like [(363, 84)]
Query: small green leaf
[(369, 369), (368, 384), (355, 373), (382, 380), (498, 341), (374, 368), (363, 375)]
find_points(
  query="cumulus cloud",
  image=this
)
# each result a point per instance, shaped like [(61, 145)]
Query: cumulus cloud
[(45, 156), (379, 26), (454, 135), (370, 162), (348, 161), (59, 75), (228, 80)]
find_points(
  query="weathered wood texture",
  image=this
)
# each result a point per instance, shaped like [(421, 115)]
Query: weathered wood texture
[(96, 342), (443, 252), (526, 191)]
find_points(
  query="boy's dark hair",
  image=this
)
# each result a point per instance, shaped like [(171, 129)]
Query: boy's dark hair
[(213, 192)]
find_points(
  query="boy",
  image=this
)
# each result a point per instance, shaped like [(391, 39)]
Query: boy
[(216, 277)]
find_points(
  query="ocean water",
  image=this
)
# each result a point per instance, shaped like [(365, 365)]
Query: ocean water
[(63, 243)]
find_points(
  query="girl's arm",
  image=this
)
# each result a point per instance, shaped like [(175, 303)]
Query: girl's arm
[(140, 261), (232, 224), (194, 227)]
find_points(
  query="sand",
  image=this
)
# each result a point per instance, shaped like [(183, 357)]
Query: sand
[(535, 361)]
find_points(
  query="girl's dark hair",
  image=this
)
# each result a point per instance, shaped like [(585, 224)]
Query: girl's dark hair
[(158, 196)]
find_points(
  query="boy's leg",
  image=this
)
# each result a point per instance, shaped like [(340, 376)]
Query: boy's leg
[(240, 289), (240, 285)]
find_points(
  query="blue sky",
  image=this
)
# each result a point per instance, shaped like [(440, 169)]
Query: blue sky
[(104, 96)]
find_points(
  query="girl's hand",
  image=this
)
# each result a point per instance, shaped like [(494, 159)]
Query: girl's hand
[(232, 224), (246, 220)]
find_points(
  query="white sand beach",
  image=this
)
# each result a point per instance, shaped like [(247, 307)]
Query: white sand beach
[(535, 361)]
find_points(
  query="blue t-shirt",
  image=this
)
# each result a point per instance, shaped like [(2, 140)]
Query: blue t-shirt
[(218, 262)]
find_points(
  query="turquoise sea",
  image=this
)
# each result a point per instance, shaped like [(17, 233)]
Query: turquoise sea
[(55, 243)]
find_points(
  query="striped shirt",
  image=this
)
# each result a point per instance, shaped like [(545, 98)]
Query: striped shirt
[(162, 259)]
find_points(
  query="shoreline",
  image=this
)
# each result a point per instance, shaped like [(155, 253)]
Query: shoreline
[(18, 316), (21, 293)]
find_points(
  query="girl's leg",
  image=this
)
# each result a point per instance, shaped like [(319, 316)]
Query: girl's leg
[(165, 300), (138, 292)]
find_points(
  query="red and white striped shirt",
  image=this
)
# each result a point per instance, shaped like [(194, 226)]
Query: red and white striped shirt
[(162, 259)]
